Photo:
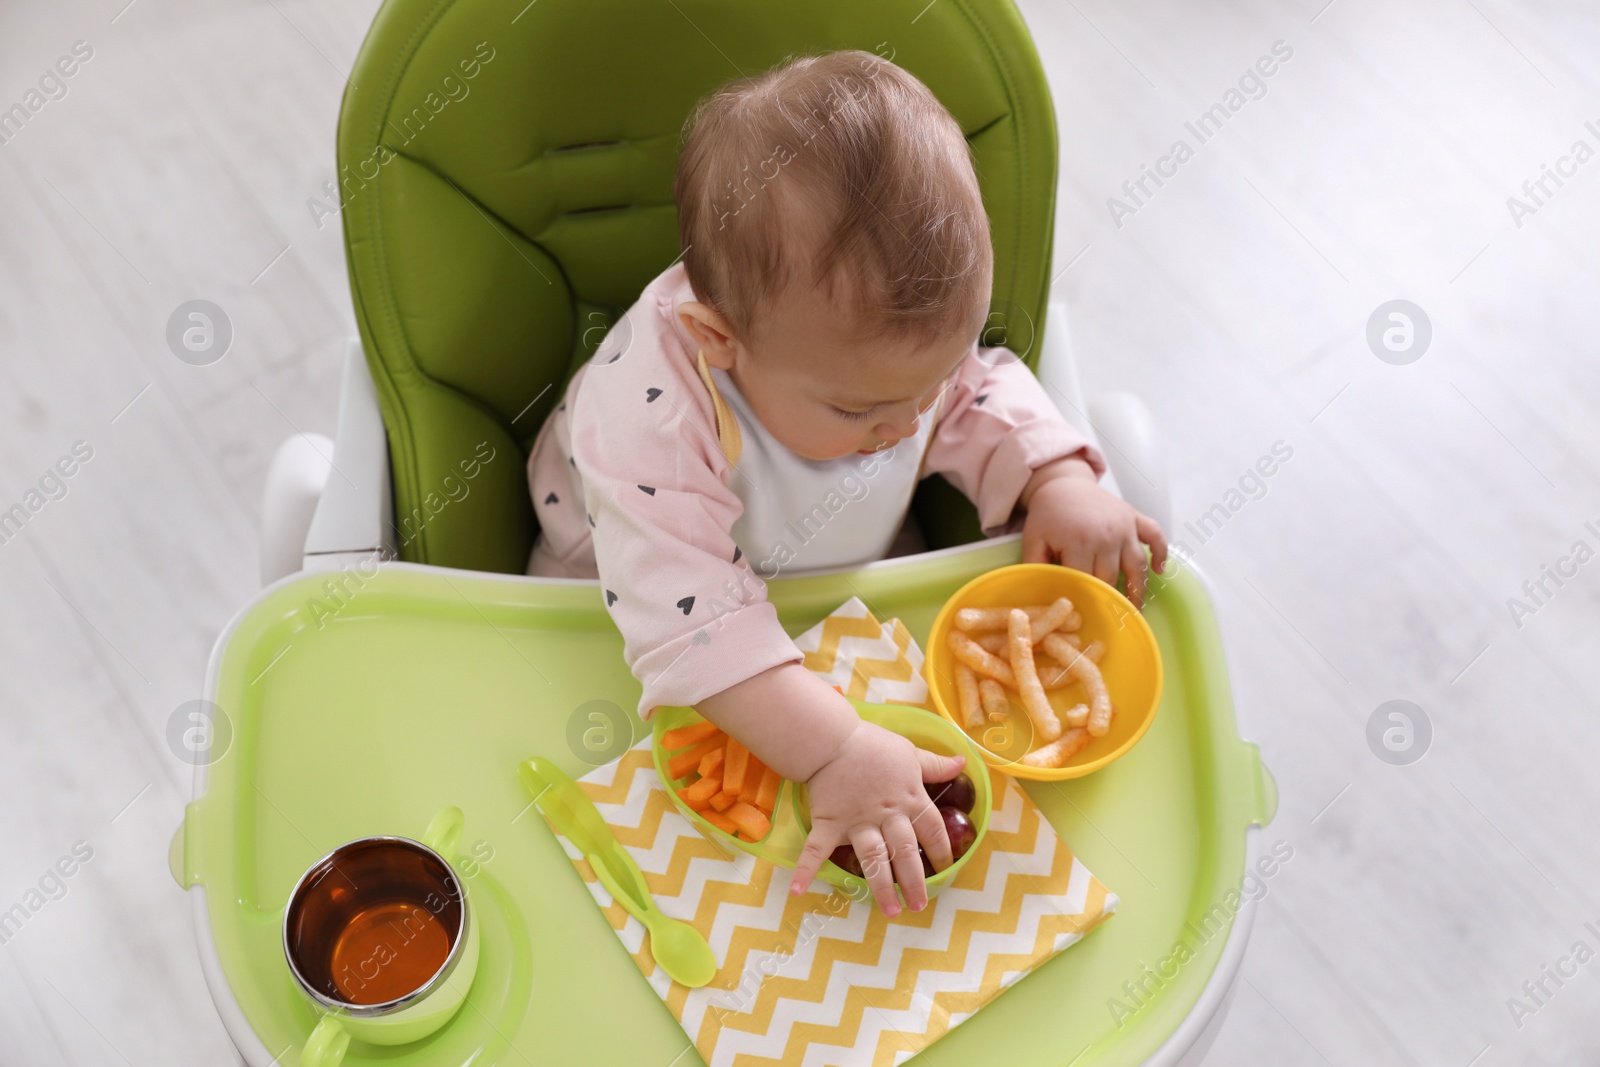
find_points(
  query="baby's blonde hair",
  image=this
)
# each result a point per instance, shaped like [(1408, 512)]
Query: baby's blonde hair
[(841, 171)]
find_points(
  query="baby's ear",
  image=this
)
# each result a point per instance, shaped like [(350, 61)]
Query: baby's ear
[(710, 330)]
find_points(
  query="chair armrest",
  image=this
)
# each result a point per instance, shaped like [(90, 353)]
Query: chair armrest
[(1058, 368), (354, 514), (295, 482), (1132, 445), (1119, 423), (1058, 373)]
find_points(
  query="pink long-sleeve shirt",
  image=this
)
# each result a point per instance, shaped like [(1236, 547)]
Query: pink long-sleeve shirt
[(633, 476)]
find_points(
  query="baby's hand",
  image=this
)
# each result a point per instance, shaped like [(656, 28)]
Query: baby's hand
[(870, 796), (1071, 520)]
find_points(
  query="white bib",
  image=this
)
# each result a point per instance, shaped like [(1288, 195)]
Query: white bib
[(807, 515)]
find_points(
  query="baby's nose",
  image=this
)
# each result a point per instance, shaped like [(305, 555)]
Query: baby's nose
[(894, 429)]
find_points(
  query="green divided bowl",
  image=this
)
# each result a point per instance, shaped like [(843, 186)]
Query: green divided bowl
[(791, 822)]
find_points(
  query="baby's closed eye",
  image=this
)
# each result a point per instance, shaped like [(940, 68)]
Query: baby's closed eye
[(856, 416)]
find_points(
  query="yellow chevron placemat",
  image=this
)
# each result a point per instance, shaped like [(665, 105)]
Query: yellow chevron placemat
[(865, 659), (823, 979)]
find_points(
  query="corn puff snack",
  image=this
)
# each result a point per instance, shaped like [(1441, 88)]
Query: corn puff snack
[(984, 662), (1052, 619), (1059, 751), (992, 641), (990, 618), (1055, 675), (1045, 620), (1084, 668), (1029, 652), (992, 698), (967, 693), (1034, 702)]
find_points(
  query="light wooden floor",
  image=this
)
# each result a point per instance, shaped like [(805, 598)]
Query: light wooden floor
[(1376, 566)]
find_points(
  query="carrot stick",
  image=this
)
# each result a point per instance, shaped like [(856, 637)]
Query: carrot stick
[(684, 736), (697, 796), (749, 821), (753, 771), (733, 766), (723, 801), (711, 763), (689, 759), (767, 791), (720, 821)]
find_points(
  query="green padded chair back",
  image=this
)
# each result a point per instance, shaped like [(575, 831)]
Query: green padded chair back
[(506, 173)]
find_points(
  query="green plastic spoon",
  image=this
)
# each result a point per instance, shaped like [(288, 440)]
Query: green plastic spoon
[(681, 950)]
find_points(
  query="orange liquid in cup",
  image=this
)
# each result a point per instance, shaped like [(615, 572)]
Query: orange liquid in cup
[(387, 951), (373, 922)]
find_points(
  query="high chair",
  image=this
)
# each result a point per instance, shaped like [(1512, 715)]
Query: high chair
[(505, 170)]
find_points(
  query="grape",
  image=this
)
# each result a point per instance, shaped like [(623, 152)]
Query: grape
[(962, 833), (845, 856), (956, 824), (958, 792)]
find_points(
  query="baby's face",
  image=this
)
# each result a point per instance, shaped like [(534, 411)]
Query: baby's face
[(825, 393)]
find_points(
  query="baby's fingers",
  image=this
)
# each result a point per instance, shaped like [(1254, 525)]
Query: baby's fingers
[(1133, 567), (874, 857), (1035, 546), (1107, 562), (929, 827), (1150, 533), (1078, 556), (926, 820), (937, 768), (820, 843), (906, 860)]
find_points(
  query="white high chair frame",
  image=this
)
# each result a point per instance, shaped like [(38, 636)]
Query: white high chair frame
[(313, 522)]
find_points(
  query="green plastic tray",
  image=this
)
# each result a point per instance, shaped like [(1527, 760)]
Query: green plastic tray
[(420, 687)]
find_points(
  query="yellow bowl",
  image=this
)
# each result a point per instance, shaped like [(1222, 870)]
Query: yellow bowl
[(1131, 665)]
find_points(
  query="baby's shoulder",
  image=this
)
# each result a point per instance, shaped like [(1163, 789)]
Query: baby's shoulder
[(641, 359), (641, 393), (645, 342)]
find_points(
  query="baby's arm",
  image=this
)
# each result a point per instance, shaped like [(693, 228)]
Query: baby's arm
[(1004, 444), (698, 630), (864, 783)]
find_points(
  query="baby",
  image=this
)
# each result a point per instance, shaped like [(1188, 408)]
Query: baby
[(769, 405)]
